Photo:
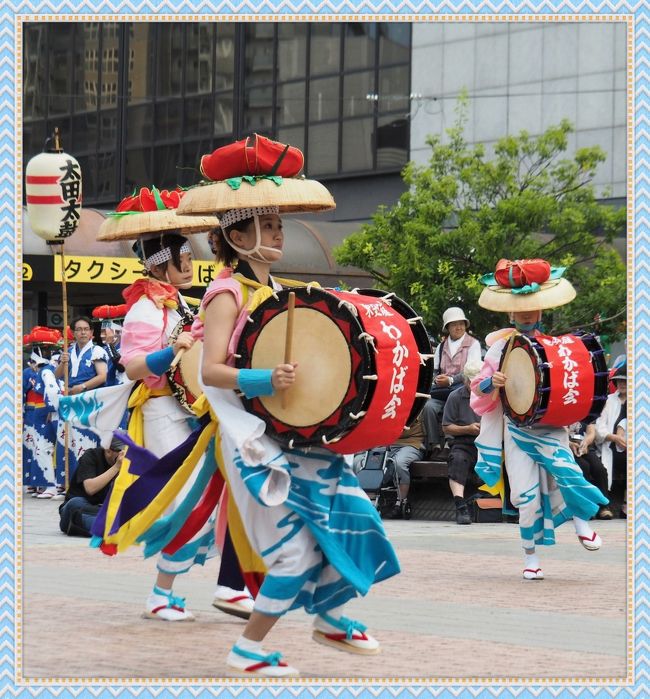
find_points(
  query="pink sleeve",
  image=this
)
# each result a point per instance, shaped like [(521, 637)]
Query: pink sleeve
[(484, 403), (217, 286), (143, 330)]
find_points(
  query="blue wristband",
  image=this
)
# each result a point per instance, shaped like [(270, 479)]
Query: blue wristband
[(158, 362), (255, 382), (486, 385)]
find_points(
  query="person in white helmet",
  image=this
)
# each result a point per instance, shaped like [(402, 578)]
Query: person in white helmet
[(456, 349)]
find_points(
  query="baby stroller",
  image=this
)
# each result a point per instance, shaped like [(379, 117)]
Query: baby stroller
[(378, 478)]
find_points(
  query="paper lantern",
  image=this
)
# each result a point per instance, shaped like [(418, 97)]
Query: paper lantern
[(53, 189)]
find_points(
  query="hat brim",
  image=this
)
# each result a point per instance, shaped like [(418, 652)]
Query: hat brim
[(292, 195), (553, 293), (134, 226)]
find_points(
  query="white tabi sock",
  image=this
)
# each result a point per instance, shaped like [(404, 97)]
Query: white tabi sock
[(582, 527), (250, 646)]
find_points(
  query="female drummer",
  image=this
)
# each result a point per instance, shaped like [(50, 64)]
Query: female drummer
[(155, 308), (316, 556), (547, 485)]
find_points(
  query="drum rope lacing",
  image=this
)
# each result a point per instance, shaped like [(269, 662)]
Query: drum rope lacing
[(369, 339)]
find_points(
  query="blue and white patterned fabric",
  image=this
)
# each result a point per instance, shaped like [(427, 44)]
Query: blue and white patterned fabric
[(321, 539)]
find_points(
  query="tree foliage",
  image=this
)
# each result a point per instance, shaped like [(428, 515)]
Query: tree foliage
[(463, 212)]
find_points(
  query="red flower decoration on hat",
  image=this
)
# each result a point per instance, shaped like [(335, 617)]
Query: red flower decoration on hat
[(514, 274), (106, 312), (41, 334), (150, 200)]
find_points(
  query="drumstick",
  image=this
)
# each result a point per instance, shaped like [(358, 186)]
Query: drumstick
[(177, 358), (288, 339), (495, 394)]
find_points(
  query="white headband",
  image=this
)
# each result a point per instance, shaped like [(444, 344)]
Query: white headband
[(37, 358), (164, 255), (234, 215), (110, 325)]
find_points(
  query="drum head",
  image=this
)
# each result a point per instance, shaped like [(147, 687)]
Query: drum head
[(332, 361), (521, 386), (425, 378), (322, 378)]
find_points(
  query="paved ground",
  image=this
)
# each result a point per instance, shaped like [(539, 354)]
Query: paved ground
[(459, 609)]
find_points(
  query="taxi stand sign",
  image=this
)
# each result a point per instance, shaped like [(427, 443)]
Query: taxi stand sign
[(120, 270)]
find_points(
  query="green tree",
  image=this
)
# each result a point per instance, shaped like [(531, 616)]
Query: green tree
[(463, 212)]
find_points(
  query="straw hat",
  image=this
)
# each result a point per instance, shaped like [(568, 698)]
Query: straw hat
[(534, 287), (290, 195), (151, 211), (265, 180)]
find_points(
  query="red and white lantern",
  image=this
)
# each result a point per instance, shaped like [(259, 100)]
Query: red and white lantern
[(53, 189)]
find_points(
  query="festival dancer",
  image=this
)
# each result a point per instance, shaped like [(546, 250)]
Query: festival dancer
[(316, 556), (161, 418), (546, 484)]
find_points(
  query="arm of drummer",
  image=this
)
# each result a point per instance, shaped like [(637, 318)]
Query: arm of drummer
[(219, 323), (137, 368), (481, 400)]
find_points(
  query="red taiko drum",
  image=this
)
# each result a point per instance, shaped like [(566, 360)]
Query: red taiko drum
[(359, 368), (554, 381)]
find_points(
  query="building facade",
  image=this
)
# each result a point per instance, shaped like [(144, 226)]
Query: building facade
[(139, 103)]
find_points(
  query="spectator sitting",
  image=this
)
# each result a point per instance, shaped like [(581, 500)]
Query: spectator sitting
[(461, 425), (402, 454), (89, 487), (456, 349), (581, 442), (613, 447)]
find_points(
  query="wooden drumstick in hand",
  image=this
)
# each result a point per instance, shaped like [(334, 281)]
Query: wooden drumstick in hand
[(288, 340), (177, 358), (495, 394)]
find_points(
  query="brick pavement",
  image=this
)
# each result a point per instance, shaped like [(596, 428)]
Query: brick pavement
[(459, 609)]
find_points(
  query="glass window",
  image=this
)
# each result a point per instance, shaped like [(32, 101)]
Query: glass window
[(359, 45), (223, 114), (199, 61), (198, 115), (325, 48), (34, 71), (357, 145), (84, 131), (324, 99), (258, 108), (60, 68), (292, 50), (258, 61), (33, 138), (168, 120), (293, 136), (141, 68), (291, 103), (138, 169), (106, 178), (109, 63), (394, 89), (394, 42), (224, 77), (139, 125), (165, 165), (108, 128), (85, 89), (392, 142), (323, 149), (356, 87), (190, 173), (170, 59), (88, 184)]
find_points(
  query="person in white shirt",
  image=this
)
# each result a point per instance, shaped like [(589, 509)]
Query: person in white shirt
[(457, 349)]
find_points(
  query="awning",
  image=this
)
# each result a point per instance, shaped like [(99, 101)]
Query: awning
[(308, 253)]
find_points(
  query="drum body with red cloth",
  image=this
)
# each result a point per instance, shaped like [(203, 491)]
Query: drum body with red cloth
[(358, 372), (183, 379), (554, 381)]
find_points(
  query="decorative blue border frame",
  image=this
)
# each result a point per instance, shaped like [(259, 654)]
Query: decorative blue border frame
[(11, 16)]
